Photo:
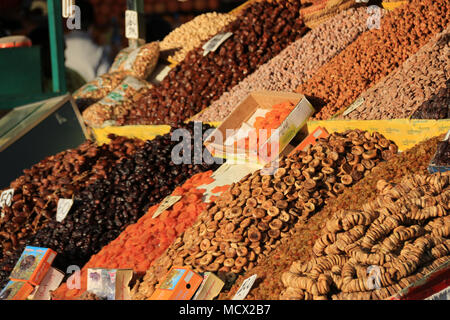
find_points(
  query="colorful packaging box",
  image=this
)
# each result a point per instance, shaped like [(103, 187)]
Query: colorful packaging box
[(16, 290), (33, 265), (180, 283)]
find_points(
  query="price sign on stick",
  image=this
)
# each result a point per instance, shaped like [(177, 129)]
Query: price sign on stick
[(131, 24), (63, 209), (245, 288)]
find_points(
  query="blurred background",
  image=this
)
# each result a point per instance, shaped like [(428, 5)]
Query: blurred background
[(90, 51)]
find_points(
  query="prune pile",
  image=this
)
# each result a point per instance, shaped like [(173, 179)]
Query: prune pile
[(103, 209), (37, 191), (261, 32)]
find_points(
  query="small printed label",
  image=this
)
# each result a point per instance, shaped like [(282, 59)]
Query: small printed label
[(166, 204), (63, 209), (6, 198), (215, 42), (245, 288), (131, 22)]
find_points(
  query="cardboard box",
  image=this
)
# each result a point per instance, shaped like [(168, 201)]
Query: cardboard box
[(180, 283), (210, 287), (110, 284), (218, 142), (16, 290), (33, 265)]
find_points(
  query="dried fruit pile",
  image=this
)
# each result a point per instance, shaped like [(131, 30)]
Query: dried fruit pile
[(192, 34), (298, 246), (295, 64), (37, 191), (408, 88), (271, 121), (374, 55), (261, 31), (247, 222), (141, 243), (402, 236), (106, 207)]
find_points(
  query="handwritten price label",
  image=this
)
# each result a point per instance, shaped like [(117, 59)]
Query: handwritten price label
[(215, 42), (166, 204), (245, 288), (64, 206)]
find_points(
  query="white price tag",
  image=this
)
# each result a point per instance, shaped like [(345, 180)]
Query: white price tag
[(355, 105), (63, 209), (166, 204), (215, 42), (6, 198), (245, 288), (131, 24)]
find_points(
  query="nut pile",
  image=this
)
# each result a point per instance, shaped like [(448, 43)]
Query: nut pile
[(298, 246), (415, 82), (37, 191), (191, 35), (103, 209), (248, 221), (403, 235), (374, 55), (295, 64), (259, 33)]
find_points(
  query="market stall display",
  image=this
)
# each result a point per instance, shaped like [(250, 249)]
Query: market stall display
[(192, 34), (353, 204), (106, 206), (403, 234), (295, 64), (247, 222), (37, 191), (141, 243), (410, 87), (299, 245), (374, 55), (259, 33)]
